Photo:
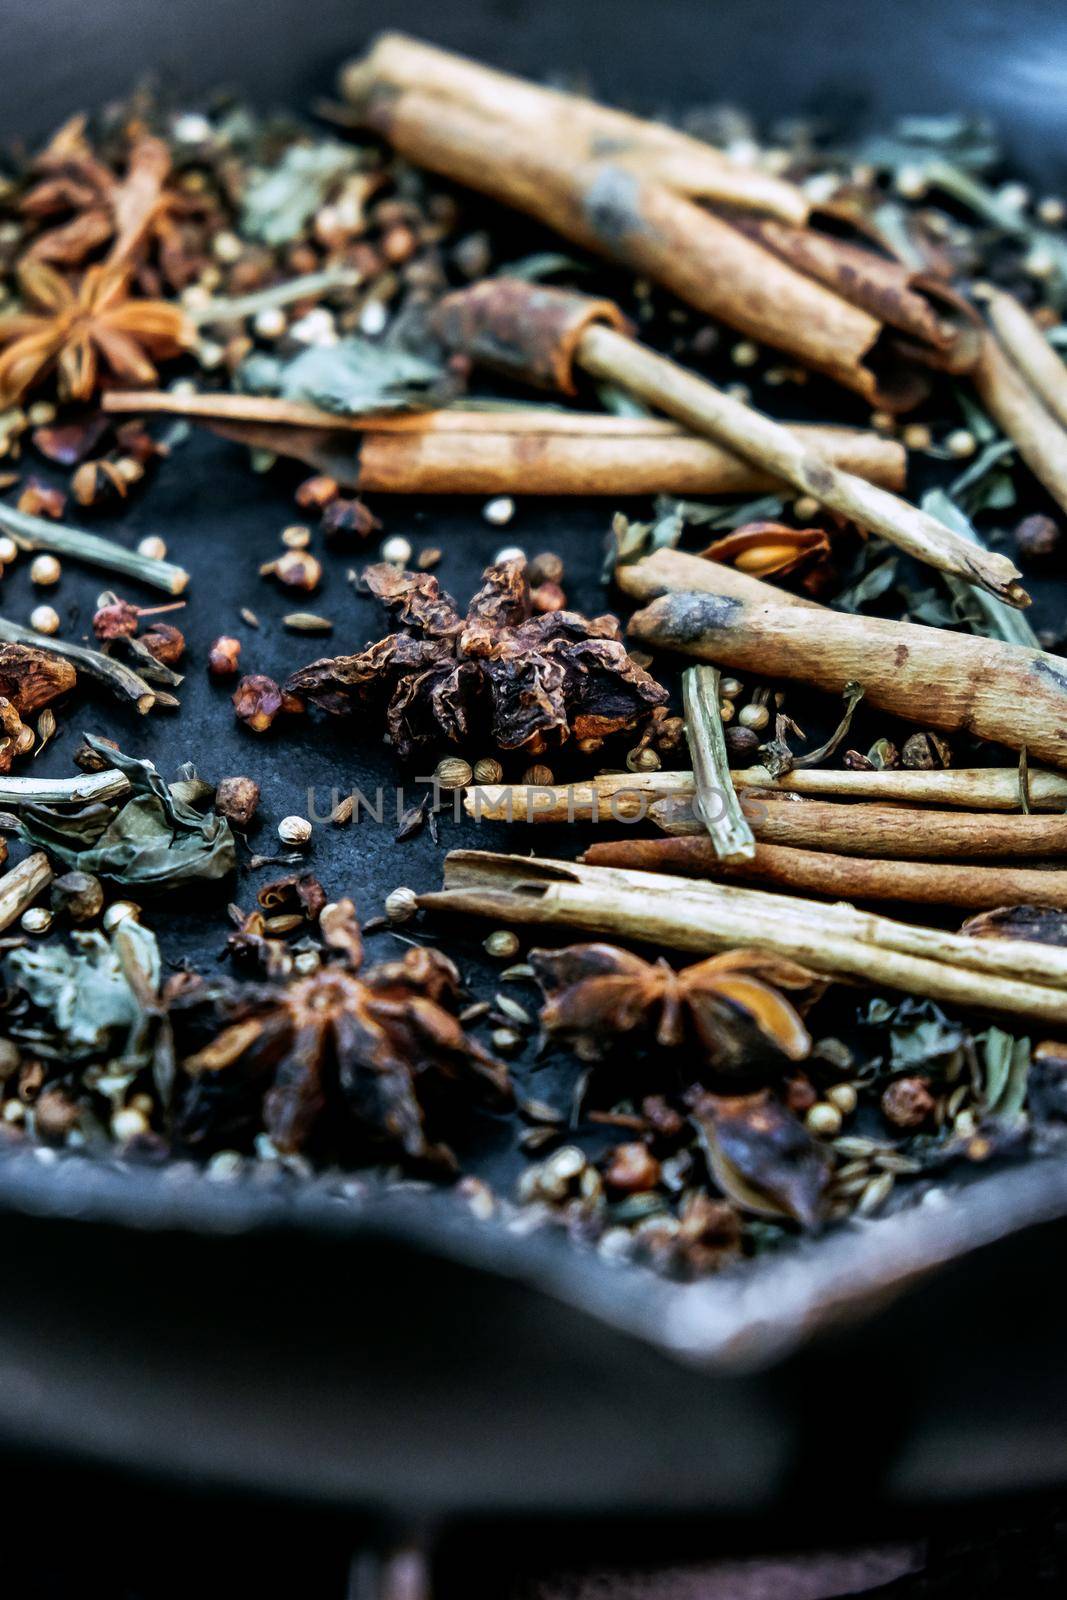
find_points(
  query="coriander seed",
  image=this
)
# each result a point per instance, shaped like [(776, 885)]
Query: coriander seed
[(823, 1120), (453, 773), (120, 911), (961, 443), (488, 770), (38, 919), (295, 831), (296, 537), (500, 511), (753, 716), (843, 1096), (44, 619), (45, 571), (643, 759), (397, 551), (539, 776), (8, 550), (401, 904), (153, 547), (501, 945)]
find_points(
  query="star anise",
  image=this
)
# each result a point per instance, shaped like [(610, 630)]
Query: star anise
[(725, 1008), (79, 330), (345, 1063), (529, 682), (86, 205)]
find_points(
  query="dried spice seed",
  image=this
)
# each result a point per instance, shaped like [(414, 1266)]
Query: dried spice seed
[(453, 773), (223, 657), (487, 770), (908, 1102), (501, 945), (295, 831), (79, 896), (296, 569), (401, 905), (237, 799), (257, 700)]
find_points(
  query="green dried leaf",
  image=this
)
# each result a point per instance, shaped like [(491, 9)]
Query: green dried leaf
[(351, 378), (278, 206), (1007, 1068), (80, 1002), (920, 1035), (155, 841), (983, 613)]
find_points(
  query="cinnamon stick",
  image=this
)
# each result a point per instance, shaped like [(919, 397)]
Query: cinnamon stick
[(706, 917), (628, 190), (842, 877), (1018, 412), (943, 680), (1025, 344), (497, 452), (669, 571), (894, 832)]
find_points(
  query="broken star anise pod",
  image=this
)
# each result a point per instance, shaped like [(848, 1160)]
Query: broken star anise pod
[(529, 682), (724, 1009), (81, 331), (345, 1063)]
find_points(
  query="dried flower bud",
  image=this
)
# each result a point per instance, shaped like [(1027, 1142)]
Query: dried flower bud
[(488, 770), (78, 896), (223, 657), (294, 831), (539, 776), (316, 493), (116, 619), (296, 569), (165, 642), (1037, 538), (349, 519), (545, 568), (548, 597), (257, 700), (237, 799), (453, 773), (401, 905), (907, 1102)]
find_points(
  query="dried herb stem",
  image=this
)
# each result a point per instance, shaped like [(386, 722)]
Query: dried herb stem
[(310, 286), (123, 682), (834, 940), (716, 802), (846, 877), (606, 353), (37, 533), (94, 786), (927, 675), (20, 887)]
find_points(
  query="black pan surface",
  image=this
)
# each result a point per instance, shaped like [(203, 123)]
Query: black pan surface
[(302, 1341)]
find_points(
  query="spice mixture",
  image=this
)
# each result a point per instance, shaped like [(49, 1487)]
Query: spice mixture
[(794, 951)]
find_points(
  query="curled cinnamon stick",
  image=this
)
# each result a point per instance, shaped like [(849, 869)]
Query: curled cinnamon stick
[(497, 452), (669, 571), (842, 877), (943, 680), (629, 190), (682, 915)]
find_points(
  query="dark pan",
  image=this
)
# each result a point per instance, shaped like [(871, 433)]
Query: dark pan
[(393, 1354)]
